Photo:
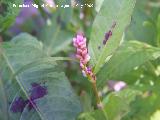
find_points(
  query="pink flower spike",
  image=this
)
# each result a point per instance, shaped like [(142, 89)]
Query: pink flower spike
[(83, 46), (81, 65), (78, 57), (87, 57), (82, 55), (81, 43), (82, 52), (79, 37), (79, 51)]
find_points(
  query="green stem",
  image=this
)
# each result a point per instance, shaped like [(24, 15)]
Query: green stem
[(98, 99), (92, 79), (99, 102)]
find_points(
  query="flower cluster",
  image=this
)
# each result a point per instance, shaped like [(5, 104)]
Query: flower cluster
[(82, 55)]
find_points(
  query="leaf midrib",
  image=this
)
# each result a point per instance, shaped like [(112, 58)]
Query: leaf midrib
[(21, 86)]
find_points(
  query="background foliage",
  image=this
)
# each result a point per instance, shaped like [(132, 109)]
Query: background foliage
[(40, 78)]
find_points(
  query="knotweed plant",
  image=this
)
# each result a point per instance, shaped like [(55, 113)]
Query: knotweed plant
[(118, 60)]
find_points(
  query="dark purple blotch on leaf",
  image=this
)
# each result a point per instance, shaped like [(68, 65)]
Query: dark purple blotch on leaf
[(37, 91), (31, 104), (108, 34), (18, 105)]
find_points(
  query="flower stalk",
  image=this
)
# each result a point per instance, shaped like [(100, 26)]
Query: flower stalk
[(82, 55)]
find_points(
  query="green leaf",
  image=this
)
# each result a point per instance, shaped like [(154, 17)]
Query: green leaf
[(96, 115), (29, 114), (112, 12), (55, 35), (54, 38), (158, 31), (64, 14), (3, 102), (127, 94), (130, 55), (98, 4), (86, 102), (141, 28), (115, 107), (146, 104), (8, 13), (60, 102)]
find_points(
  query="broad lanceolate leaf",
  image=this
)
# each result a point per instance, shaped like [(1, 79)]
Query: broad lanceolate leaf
[(128, 56), (115, 107), (108, 29), (145, 105), (41, 89)]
